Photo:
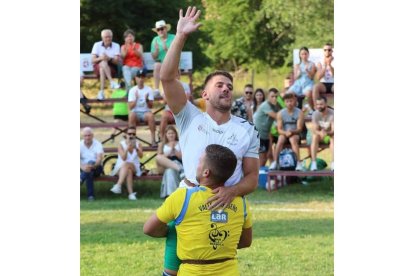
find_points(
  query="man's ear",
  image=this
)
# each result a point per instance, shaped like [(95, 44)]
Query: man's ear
[(206, 173), (204, 95)]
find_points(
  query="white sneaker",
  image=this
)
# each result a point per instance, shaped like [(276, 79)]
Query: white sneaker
[(313, 166), (132, 196), (116, 189), (299, 167), (273, 166), (114, 85), (332, 165), (101, 95)]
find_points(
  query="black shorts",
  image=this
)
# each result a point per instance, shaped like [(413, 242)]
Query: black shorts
[(328, 87), (264, 145), (121, 117)]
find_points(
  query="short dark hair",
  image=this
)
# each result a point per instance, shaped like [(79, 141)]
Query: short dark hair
[(129, 31), (217, 73), (289, 96), (221, 161), (249, 85), (323, 98), (273, 90)]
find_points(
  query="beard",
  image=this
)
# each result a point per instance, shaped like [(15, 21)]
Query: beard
[(220, 106), (322, 109)]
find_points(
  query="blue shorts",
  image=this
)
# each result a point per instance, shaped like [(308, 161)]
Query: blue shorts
[(140, 115)]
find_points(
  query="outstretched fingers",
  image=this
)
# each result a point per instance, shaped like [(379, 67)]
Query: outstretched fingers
[(187, 14), (181, 13)]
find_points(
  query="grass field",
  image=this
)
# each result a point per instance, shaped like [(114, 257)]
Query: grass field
[(293, 232)]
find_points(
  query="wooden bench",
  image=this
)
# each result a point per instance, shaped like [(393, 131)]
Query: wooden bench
[(273, 175)]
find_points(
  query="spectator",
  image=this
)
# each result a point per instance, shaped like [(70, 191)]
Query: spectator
[(258, 98), (91, 155), (169, 161), (242, 107), (322, 130), (132, 54), (167, 117), (140, 101), (120, 109), (325, 73), (105, 59), (216, 126), (83, 99), (263, 119), (289, 126), (159, 48), (304, 73), (207, 241), (128, 164)]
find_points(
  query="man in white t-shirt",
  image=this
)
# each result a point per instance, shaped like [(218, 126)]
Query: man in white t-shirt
[(105, 59), (215, 126), (91, 155), (325, 73), (140, 101)]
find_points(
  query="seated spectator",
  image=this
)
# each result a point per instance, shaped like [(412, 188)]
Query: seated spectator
[(242, 107), (105, 59), (258, 98), (304, 73), (159, 48), (290, 123), (83, 99), (140, 101), (120, 109), (325, 73), (167, 116), (132, 54), (322, 130), (219, 233), (91, 155), (169, 162), (128, 164), (263, 119)]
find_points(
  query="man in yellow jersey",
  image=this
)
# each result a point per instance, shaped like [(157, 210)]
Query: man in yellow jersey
[(207, 239)]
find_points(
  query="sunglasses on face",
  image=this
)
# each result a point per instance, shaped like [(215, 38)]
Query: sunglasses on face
[(329, 50), (160, 29), (248, 92), (131, 134)]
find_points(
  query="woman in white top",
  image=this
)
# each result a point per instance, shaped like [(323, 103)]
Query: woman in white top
[(169, 161), (128, 164)]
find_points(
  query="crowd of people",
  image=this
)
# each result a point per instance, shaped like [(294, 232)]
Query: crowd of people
[(211, 161)]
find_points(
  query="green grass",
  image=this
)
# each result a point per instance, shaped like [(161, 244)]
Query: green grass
[(293, 232)]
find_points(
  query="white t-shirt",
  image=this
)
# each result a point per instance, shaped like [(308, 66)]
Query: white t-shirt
[(328, 77), (138, 95), (112, 51), (91, 153), (198, 130)]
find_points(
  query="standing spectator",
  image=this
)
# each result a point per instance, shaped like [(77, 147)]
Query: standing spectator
[(325, 73), (322, 130), (207, 240), (216, 126), (258, 98), (167, 117), (105, 59), (263, 119), (91, 155), (169, 161), (140, 101), (132, 54), (289, 126), (242, 107), (120, 110), (128, 164), (159, 48), (304, 72)]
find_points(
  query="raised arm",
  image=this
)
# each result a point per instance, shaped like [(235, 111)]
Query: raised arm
[(173, 90)]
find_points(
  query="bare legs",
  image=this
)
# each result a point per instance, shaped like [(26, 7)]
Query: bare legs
[(127, 173)]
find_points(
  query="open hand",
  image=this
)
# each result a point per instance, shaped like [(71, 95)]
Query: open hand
[(187, 24), (222, 198)]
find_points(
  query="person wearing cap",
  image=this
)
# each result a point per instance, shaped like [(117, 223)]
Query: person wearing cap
[(140, 100), (105, 59), (159, 48), (132, 54)]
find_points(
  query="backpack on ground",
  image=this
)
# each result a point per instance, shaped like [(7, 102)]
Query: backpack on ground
[(287, 160)]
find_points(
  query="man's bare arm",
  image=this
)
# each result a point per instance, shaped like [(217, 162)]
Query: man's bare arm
[(173, 90), (245, 238), (155, 228)]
